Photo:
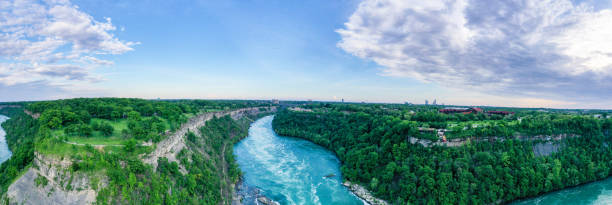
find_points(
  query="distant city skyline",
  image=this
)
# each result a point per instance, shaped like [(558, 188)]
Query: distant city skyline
[(528, 53)]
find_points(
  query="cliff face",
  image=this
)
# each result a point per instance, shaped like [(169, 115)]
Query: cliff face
[(50, 181), (462, 141), (174, 143)]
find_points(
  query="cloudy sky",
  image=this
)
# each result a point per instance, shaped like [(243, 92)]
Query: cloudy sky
[(527, 53)]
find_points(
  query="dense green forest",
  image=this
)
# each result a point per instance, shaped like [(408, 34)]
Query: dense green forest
[(128, 123), (21, 132), (371, 141), (139, 184)]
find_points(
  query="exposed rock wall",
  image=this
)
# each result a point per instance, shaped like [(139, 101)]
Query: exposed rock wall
[(173, 144), (545, 148), (463, 141), (62, 186), (31, 114)]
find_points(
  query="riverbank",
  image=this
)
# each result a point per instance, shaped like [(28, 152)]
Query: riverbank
[(596, 192), (364, 194)]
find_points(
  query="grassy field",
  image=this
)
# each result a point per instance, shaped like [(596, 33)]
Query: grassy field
[(60, 143), (97, 138), (54, 146)]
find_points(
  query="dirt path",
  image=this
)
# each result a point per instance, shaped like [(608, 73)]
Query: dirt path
[(144, 144), (94, 145)]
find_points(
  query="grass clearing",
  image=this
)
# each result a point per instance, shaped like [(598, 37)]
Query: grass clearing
[(97, 138), (60, 143), (55, 147)]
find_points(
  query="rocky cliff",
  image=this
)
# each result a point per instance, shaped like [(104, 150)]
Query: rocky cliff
[(51, 181), (174, 143)]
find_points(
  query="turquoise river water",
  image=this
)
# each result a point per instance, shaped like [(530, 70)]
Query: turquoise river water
[(5, 153), (290, 170), (599, 192)]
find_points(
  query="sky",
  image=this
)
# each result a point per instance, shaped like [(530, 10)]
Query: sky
[(521, 53)]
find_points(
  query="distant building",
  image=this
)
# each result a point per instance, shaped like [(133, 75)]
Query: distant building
[(434, 102), (460, 110), (426, 102), (275, 101), (342, 100)]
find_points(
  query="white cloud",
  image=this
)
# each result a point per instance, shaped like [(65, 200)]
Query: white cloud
[(89, 59), (53, 41), (56, 74), (551, 48)]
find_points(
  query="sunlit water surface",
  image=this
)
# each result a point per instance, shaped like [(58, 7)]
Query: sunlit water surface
[(5, 153)]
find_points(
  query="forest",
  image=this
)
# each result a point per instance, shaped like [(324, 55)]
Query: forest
[(129, 122), (21, 132), (371, 141)]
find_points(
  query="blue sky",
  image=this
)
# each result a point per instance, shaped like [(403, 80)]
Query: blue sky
[(512, 53)]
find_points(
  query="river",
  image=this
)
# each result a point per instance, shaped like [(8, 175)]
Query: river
[(5, 153), (599, 192), (290, 170)]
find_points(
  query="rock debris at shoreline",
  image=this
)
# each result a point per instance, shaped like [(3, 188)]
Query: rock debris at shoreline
[(364, 194), (249, 195)]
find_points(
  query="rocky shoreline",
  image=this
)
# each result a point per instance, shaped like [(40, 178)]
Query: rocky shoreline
[(364, 194), (248, 195)]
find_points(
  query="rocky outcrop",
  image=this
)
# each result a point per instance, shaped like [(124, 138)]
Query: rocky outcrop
[(267, 201), (245, 194), (49, 181), (545, 148), (364, 194), (173, 144), (31, 114), (462, 141)]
